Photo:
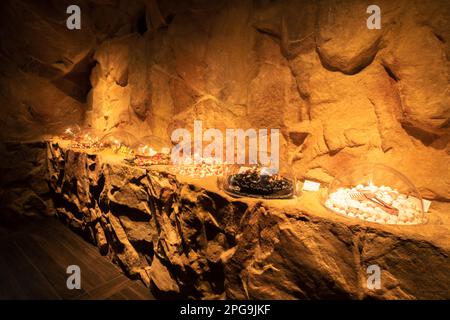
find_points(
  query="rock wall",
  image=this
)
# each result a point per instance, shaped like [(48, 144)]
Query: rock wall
[(46, 68), (185, 238), (340, 93), (24, 189)]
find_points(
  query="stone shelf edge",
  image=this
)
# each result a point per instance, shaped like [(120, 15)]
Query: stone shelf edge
[(186, 237)]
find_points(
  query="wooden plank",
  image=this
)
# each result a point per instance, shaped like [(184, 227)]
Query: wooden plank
[(19, 278), (118, 296), (65, 258), (34, 261), (129, 294), (70, 249), (101, 266), (84, 296), (141, 291), (106, 290), (11, 230), (52, 269)]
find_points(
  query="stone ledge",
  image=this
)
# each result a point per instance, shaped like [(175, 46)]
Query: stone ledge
[(186, 237)]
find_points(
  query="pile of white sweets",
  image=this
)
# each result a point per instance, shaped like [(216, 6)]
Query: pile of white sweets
[(409, 208), (203, 167)]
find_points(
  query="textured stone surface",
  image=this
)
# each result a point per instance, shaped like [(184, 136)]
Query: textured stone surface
[(46, 67), (24, 190), (340, 93), (186, 237)]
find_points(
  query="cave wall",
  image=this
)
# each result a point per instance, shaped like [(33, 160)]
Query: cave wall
[(340, 93), (186, 238)]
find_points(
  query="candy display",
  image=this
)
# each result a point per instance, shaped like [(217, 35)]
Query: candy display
[(86, 141), (156, 159), (376, 193), (82, 138), (71, 132), (202, 167), (260, 182), (151, 150), (376, 204), (121, 149), (119, 141)]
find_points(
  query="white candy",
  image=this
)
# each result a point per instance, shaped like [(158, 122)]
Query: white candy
[(387, 198), (340, 202)]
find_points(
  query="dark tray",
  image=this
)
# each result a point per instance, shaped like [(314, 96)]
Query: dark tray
[(283, 194)]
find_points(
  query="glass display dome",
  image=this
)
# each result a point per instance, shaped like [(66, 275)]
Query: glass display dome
[(375, 193), (71, 132), (187, 162), (85, 139), (258, 172), (119, 141), (151, 150), (258, 181)]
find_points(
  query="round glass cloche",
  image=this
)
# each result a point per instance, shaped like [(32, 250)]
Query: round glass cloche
[(119, 141), (187, 161), (71, 132), (85, 139), (258, 181), (375, 193), (151, 150)]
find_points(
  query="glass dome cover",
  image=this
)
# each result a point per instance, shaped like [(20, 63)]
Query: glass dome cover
[(81, 137), (186, 161), (71, 132), (151, 150), (86, 138), (375, 193), (259, 172), (257, 181), (119, 141), (118, 137)]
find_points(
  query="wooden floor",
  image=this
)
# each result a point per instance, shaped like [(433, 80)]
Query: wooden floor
[(34, 257)]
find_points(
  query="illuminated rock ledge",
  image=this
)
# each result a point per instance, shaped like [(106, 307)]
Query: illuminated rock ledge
[(186, 237)]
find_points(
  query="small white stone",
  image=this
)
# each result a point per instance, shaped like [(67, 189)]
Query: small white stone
[(403, 218), (371, 204), (387, 198), (353, 203)]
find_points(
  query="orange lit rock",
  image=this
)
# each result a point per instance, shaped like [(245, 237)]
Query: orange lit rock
[(339, 93), (197, 242)]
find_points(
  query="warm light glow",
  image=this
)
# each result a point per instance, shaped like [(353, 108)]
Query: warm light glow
[(376, 204)]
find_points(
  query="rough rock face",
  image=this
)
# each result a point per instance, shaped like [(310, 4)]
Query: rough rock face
[(24, 190), (46, 67), (187, 238), (340, 93), (340, 99)]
